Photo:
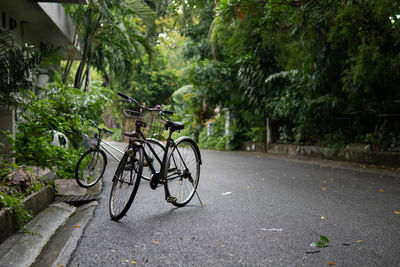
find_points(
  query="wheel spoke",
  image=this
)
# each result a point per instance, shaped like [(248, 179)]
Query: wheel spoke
[(125, 184), (182, 181), (90, 168)]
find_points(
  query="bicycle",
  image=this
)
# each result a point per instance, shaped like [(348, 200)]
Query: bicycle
[(91, 165), (179, 166)]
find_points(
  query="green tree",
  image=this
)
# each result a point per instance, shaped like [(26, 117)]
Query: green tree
[(110, 35)]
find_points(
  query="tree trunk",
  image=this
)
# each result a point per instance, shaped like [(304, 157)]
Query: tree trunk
[(71, 56), (86, 55)]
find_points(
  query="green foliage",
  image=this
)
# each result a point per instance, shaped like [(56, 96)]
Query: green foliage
[(11, 196), (153, 83), (305, 64), (216, 141), (334, 140), (17, 67), (14, 202), (62, 109), (117, 135), (112, 34)]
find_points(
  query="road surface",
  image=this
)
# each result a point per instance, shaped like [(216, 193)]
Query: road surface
[(260, 210)]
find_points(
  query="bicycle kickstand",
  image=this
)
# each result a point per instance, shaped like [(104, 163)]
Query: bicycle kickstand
[(201, 202)]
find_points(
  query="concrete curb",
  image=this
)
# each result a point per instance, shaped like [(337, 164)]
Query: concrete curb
[(22, 249), (51, 236), (34, 203), (59, 249)]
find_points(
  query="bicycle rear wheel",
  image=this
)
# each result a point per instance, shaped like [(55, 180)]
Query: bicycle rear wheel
[(125, 183), (159, 149), (182, 171), (90, 167)]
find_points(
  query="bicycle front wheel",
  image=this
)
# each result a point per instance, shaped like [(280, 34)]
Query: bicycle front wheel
[(182, 171), (125, 183), (158, 148), (90, 167)]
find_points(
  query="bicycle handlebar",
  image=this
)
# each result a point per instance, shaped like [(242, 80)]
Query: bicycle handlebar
[(101, 129), (130, 100)]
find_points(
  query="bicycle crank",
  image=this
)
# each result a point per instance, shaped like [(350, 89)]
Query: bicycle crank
[(154, 181)]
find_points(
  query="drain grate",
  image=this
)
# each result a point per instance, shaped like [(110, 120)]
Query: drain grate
[(77, 200)]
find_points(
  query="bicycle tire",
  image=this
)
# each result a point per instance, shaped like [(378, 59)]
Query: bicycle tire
[(90, 167), (182, 171), (125, 183), (159, 148)]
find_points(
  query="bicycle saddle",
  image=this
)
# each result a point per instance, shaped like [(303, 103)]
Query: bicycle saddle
[(175, 126), (130, 134)]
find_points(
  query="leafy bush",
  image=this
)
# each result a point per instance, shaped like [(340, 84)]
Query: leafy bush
[(117, 135), (63, 109), (15, 202), (216, 141), (335, 140)]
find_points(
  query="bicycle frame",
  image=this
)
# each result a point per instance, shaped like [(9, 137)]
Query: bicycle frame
[(159, 177), (102, 145)]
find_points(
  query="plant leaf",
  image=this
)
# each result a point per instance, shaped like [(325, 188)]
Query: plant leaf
[(324, 239)]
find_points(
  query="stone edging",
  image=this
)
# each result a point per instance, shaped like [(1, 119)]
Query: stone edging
[(34, 203), (391, 159)]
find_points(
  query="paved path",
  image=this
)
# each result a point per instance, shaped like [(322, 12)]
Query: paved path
[(259, 211)]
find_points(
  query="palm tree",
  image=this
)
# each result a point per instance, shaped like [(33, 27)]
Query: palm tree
[(109, 33)]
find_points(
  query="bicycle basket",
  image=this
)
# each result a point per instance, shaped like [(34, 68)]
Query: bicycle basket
[(88, 142), (153, 124)]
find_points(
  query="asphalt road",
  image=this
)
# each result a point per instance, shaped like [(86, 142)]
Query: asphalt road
[(259, 210)]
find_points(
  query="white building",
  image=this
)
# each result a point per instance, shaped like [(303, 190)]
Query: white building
[(35, 23)]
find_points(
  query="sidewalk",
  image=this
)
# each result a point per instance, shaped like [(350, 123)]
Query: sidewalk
[(52, 235)]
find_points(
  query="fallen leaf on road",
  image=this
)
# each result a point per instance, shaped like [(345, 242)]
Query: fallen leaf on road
[(381, 190), (331, 263), (133, 262), (77, 226), (226, 193), (323, 218), (397, 212), (222, 246), (156, 242), (263, 179), (359, 241), (204, 204)]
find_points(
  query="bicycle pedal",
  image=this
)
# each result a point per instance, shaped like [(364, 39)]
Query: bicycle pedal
[(171, 199)]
